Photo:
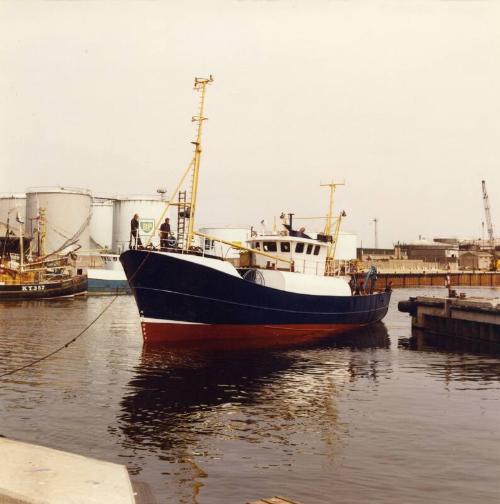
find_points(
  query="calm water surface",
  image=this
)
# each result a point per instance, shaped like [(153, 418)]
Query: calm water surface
[(379, 416)]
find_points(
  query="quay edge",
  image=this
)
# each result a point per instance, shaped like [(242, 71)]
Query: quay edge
[(398, 280), (32, 474), (467, 318)]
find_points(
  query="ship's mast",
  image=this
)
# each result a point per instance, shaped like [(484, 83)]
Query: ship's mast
[(329, 216), (329, 266), (200, 85), (187, 206), (21, 245)]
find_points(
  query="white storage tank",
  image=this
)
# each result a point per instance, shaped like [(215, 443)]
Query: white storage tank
[(150, 210), (12, 204), (101, 224), (235, 234), (346, 246), (67, 216)]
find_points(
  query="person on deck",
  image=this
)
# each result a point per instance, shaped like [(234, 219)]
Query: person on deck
[(135, 239), (164, 233), (360, 288)]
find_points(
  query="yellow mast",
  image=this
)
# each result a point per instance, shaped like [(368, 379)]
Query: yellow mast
[(329, 270), (329, 216), (200, 84)]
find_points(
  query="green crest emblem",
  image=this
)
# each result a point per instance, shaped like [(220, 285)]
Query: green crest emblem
[(147, 225)]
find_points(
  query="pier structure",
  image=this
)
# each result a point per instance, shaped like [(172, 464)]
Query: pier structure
[(32, 474), (463, 278), (471, 318)]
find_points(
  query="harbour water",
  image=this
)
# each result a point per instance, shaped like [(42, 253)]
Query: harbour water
[(378, 416)]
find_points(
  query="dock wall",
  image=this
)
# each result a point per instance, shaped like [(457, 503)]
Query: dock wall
[(464, 279), (474, 319)]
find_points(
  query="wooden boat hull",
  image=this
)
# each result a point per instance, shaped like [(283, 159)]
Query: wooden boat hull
[(44, 290), (181, 300)]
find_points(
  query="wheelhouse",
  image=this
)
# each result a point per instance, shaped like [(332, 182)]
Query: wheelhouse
[(308, 255)]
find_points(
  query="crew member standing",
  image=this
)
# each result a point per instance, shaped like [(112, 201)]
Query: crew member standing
[(164, 233), (135, 239)]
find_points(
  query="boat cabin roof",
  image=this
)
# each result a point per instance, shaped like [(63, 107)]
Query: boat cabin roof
[(286, 238)]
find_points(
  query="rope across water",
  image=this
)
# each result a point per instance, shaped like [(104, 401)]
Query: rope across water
[(62, 347)]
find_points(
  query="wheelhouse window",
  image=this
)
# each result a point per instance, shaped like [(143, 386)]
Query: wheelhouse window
[(299, 248), (309, 248), (285, 246), (316, 249), (256, 245), (270, 247)]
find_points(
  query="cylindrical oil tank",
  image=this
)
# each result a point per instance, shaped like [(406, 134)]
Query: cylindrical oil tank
[(67, 213), (11, 206), (346, 246), (101, 223), (234, 234), (150, 210)]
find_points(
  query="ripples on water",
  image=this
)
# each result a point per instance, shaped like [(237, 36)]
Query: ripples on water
[(377, 416)]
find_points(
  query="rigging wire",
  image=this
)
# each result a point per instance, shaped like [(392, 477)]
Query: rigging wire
[(62, 347)]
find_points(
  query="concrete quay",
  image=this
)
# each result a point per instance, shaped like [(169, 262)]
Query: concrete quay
[(32, 474), (471, 318)]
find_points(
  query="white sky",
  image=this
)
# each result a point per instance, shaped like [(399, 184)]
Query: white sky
[(401, 99)]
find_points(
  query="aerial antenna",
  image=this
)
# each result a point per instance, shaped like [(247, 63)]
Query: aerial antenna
[(375, 231)]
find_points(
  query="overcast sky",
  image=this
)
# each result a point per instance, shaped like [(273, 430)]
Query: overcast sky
[(401, 99)]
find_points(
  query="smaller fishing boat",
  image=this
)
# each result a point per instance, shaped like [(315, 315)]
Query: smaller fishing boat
[(109, 279), (25, 278)]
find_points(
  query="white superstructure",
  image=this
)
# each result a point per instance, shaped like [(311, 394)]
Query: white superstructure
[(67, 213), (305, 284), (346, 246), (12, 205), (150, 210), (309, 255), (238, 235)]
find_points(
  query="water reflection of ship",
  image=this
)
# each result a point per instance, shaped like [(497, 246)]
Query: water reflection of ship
[(174, 382), (456, 359), (182, 399)]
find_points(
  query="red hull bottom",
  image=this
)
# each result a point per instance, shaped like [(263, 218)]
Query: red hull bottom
[(168, 332)]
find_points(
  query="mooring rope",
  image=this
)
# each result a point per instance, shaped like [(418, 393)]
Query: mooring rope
[(81, 333), (66, 345)]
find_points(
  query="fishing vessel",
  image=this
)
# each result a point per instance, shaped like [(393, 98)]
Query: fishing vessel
[(109, 279), (42, 277), (287, 287)]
